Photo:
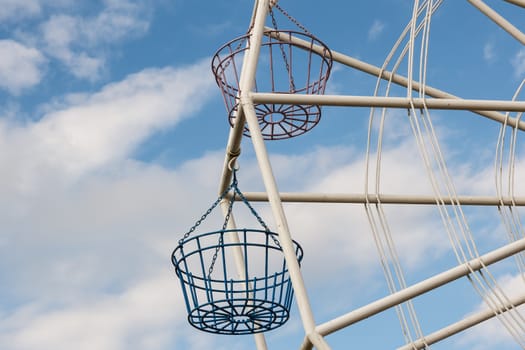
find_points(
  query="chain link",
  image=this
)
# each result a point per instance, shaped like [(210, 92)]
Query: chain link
[(261, 221), (293, 20), (203, 217), (283, 54), (224, 226), (220, 243)]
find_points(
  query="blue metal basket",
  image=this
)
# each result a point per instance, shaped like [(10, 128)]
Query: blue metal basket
[(223, 299)]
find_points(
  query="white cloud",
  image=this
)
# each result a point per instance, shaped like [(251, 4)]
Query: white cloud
[(79, 42), (91, 131), (101, 241), (376, 30), (518, 62), (144, 316), (15, 9), (492, 334), (21, 67), (489, 53)]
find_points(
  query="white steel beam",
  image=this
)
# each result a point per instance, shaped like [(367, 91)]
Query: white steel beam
[(417, 289), (517, 2), (462, 325), (390, 102), (234, 140), (303, 197), (285, 238), (396, 78), (247, 106), (238, 256), (499, 20)]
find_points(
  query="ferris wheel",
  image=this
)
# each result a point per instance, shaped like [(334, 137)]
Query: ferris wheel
[(243, 280)]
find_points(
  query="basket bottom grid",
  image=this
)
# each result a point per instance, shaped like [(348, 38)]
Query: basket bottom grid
[(281, 121), (238, 316)]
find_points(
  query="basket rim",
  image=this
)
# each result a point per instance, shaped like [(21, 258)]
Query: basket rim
[(299, 252), (315, 40)]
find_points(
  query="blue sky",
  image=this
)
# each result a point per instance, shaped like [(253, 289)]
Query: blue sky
[(112, 138)]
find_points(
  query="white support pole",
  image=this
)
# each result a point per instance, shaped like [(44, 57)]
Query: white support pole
[(396, 78), (247, 111), (520, 3), (238, 256), (285, 238), (462, 325), (499, 20), (391, 102), (417, 289), (386, 199), (246, 105)]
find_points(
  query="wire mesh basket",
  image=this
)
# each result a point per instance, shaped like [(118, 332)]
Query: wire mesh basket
[(222, 299), (290, 62)]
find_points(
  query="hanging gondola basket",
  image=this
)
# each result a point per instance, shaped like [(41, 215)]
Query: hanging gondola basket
[(289, 62), (223, 299)]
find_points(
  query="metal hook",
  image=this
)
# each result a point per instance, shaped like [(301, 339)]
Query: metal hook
[(233, 165)]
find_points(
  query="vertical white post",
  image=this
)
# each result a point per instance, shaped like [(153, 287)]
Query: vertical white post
[(246, 109), (282, 226), (260, 340)]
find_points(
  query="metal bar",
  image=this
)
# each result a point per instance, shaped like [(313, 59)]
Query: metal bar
[(391, 102), (235, 136), (520, 3), (462, 325), (385, 199), (246, 107), (417, 289), (285, 238), (318, 341), (398, 79), (238, 256), (499, 20)]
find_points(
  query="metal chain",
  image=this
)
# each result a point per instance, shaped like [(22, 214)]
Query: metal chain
[(236, 191), (203, 217), (283, 54), (293, 20), (220, 243), (261, 221), (224, 226)]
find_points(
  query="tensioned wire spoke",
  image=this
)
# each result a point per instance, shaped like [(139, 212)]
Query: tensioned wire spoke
[(381, 222)]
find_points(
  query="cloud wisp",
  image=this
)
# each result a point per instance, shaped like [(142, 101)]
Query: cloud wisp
[(21, 67)]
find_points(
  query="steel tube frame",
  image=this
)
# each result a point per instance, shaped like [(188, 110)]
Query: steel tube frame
[(386, 199), (270, 184), (520, 3), (246, 113), (499, 20), (462, 325), (235, 136), (238, 256), (390, 102), (417, 289), (397, 79)]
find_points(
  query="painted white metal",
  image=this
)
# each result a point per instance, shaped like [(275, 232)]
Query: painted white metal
[(517, 2), (442, 100), (499, 20), (247, 111), (385, 199), (399, 79), (285, 238), (415, 290), (462, 325), (238, 256), (390, 102)]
